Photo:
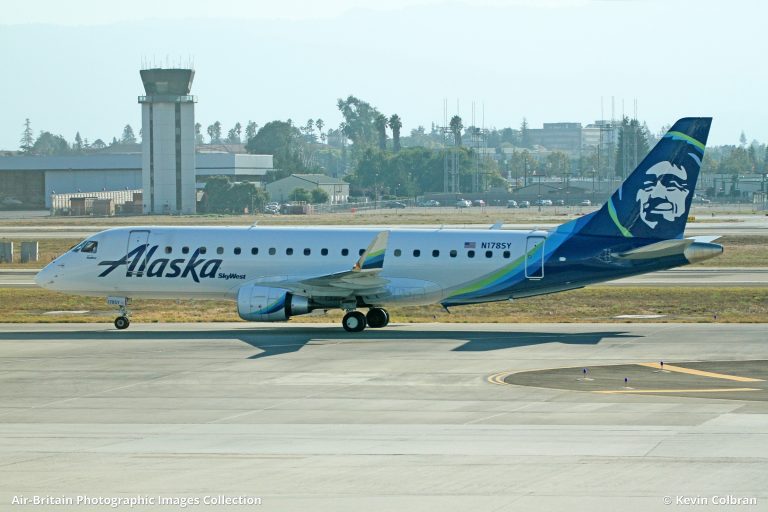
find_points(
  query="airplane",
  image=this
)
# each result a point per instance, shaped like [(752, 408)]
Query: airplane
[(275, 273)]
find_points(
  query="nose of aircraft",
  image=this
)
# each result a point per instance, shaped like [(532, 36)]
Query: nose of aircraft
[(45, 278)]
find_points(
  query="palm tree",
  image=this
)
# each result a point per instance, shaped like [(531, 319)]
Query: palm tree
[(380, 122), (395, 123), (456, 126)]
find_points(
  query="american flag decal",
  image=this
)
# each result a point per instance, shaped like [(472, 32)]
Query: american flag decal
[(469, 245)]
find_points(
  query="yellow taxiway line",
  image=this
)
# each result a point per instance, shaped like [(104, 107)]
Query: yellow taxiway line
[(498, 378), (700, 373), (654, 391)]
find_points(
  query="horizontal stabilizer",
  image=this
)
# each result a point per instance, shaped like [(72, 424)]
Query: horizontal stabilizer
[(657, 250)]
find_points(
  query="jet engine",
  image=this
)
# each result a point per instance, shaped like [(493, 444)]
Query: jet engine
[(267, 304)]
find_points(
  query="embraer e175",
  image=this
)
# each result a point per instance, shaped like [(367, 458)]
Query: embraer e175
[(273, 274)]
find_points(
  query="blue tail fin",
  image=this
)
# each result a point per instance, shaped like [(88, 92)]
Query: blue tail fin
[(654, 201)]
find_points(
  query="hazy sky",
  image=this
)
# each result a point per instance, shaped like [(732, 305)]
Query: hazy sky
[(72, 66)]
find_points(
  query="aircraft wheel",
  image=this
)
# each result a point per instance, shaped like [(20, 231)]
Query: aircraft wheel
[(354, 321), (122, 322), (377, 317)]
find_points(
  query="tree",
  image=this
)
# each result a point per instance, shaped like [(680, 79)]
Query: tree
[(765, 160), (300, 195), (456, 126), (319, 125), (27, 138), (250, 130), (358, 125), (282, 140), (319, 196), (380, 122), (98, 144), (128, 136), (752, 154), (396, 124), (50, 144), (222, 196), (632, 146), (78, 145), (743, 139), (233, 135), (198, 135), (525, 135), (214, 132)]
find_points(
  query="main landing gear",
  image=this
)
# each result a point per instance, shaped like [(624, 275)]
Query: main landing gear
[(355, 321)]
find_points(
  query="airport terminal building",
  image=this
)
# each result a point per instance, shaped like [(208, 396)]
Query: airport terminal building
[(32, 179)]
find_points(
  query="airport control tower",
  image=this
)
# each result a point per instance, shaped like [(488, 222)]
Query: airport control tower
[(168, 141)]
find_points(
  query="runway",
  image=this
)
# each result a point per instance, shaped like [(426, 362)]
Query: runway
[(403, 418), (686, 276)]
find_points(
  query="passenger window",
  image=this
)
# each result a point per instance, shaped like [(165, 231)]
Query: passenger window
[(416, 253), (90, 247), (185, 250), (344, 252), (203, 250), (506, 254), (254, 251), (289, 252), (361, 252), (307, 252), (398, 252), (237, 250), (272, 251), (168, 249), (489, 254), (219, 250), (470, 254), (435, 253), (453, 253), (324, 252)]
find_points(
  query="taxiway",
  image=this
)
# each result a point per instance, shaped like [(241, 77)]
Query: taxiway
[(404, 418)]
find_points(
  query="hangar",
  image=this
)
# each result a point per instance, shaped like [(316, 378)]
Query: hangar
[(31, 180)]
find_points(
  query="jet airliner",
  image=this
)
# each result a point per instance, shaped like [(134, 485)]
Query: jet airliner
[(272, 274)]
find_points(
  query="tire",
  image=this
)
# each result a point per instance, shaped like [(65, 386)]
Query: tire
[(377, 318), (122, 322), (354, 321)]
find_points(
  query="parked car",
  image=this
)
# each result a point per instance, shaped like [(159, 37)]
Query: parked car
[(585, 202), (273, 208), (524, 204), (463, 203), (559, 202), (429, 204), (542, 202), (701, 199), (478, 202), (512, 203), (397, 204)]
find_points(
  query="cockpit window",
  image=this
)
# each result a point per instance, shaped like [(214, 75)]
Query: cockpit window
[(90, 247)]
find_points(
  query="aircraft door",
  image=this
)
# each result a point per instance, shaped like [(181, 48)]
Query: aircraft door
[(534, 257), (136, 239)]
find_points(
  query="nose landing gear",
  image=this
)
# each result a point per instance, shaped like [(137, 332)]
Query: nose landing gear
[(122, 321)]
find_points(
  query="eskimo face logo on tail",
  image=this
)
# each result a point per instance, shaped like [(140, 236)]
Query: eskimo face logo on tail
[(663, 195), (138, 265)]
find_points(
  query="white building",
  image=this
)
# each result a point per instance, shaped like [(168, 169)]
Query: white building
[(337, 190), (168, 142)]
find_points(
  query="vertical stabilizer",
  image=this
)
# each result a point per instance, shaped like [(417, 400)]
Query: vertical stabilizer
[(654, 201)]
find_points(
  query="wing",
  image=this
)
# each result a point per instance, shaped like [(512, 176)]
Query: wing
[(362, 279)]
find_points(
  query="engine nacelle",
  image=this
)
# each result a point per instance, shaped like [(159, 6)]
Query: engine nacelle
[(267, 304)]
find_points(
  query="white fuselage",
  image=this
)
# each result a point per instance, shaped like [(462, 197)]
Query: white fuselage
[(421, 265)]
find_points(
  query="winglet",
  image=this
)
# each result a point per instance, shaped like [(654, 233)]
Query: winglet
[(373, 257)]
